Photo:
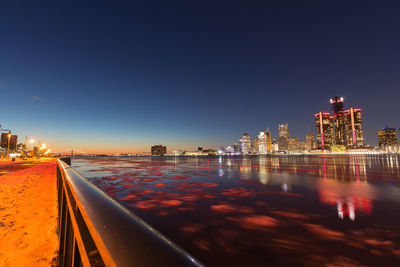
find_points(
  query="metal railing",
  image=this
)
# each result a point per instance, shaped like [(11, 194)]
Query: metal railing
[(94, 230)]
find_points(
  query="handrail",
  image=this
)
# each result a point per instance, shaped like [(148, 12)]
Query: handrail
[(95, 230)]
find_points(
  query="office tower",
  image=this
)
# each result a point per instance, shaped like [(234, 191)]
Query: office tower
[(337, 105), (387, 136), (353, 128), (324, 130), (268, 134), (245, 144), (263, 143), (158, 150), (13, 141), (295, 145), (310, 141), (255, 148), (283, 136)]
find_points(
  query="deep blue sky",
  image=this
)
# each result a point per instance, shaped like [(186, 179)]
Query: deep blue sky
[(122, 75)]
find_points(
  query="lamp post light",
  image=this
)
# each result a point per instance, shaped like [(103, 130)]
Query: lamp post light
[(31, 141)]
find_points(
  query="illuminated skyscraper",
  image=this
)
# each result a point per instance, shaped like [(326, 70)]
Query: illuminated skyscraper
[(324, 130), (262, 143), (268, 134), (353, 127), (310, 141), (283, 136), (387, 136), (245, 144), (337, 104), (256, 145)]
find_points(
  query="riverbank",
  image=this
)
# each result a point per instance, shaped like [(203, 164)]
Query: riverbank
[(28, 214)]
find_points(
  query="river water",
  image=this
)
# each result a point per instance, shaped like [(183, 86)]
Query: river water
[(258, 211)]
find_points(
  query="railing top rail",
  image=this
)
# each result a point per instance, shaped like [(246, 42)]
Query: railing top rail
[(122, 238)]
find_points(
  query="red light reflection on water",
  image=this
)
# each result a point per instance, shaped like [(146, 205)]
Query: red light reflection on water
[(253, 211)]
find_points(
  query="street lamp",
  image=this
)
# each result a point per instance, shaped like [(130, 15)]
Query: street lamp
[(31, 141)]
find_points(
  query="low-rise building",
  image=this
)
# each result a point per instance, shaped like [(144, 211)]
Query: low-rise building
[(158, 150)]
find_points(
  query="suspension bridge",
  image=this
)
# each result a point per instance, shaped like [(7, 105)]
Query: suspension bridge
[(70, 152)]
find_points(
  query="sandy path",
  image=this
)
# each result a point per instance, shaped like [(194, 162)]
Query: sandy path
[(28, 216)]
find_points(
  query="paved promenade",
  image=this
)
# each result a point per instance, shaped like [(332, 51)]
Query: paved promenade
[(28, 213)]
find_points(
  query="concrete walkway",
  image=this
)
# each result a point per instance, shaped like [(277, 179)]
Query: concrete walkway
[(28, 214)]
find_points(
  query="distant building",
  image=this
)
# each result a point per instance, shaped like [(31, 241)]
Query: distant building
[(295, 145), (245, 144), (337, 105), (199, 149), (353, 128), (387, 136), (13, 142), (256, 145), (310, 140), (262, 143), (274, 145), (324, 130), (158, 150), (229, 150), (268, 139), (236, 148), (283, 136)]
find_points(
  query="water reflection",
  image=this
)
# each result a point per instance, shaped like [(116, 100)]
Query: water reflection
[(290, 210)]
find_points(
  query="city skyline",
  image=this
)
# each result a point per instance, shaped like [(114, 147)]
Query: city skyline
[(282, 130), (134, 75)]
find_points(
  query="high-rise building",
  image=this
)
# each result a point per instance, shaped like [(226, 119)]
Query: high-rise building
[(256, 144), (324, 130), (263, 143), (158, 150), (283, 136), (387, 136), (268, 134), (337, 105), (245, 144), (13, 141), (310, 141), (353, 127)]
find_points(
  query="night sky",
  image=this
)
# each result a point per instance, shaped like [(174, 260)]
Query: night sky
[(119, 76)]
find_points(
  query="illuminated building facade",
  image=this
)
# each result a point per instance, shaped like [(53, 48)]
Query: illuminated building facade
[(353, 128), (324, 130), (158, 150), (387, 136), (310, 140), (283, 136), (337, 105), (255, 148), (245, 144), (268, 140), (13, 142), (262, 143), (295, 145)]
